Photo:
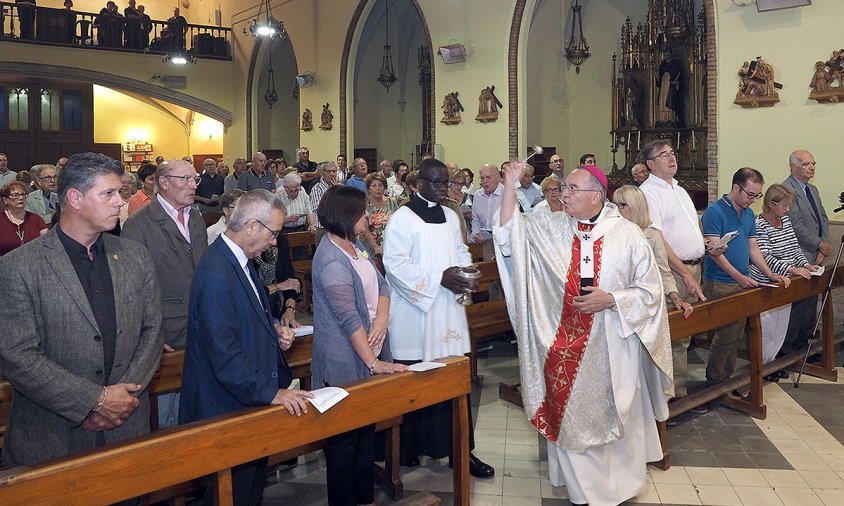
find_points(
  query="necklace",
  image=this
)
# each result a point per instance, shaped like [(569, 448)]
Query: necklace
[(19, 231), (353, 255)]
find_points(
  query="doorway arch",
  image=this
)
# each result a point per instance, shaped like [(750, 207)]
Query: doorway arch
[(358, 36)]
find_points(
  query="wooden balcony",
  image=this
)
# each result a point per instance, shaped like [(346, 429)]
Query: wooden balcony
[(21, 23)]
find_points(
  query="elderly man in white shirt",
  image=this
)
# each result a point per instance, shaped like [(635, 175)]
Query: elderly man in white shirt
[(528, 193), (300, 214), (485, 208), (673, 213)]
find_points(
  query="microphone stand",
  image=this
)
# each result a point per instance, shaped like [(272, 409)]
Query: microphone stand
[(826, 295)]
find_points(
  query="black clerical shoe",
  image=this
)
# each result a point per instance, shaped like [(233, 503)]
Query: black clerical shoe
[(477, 467), (783, 374), (480, 469), (773, 378)]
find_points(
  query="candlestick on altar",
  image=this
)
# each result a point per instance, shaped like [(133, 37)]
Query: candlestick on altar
[(694, 148), (678, 141), (638, 140)]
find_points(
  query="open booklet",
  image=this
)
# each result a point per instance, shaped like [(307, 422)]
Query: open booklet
[(726, 238), (304, 330), (325, 398)]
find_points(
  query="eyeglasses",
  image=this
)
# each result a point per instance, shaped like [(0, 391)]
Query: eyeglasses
[(16, 196), (185, 179), (574, 189), (48, 178), (622, 205), (664, 155), (273, 232), (753, 196), (552, 189), (436, 183), (456, 183), (783, 206)]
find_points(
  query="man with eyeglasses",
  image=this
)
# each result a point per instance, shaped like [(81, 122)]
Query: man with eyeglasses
[(640, 173), (6, 175), (528, 193), (557, 166), (485, 206), (725, 272), (176, 237), (234, 357), (358, 180), (44, 200), (423, 252), (586, 299), (211, 187), (811, 226), (300, 214), (673, 213), (328, 172)]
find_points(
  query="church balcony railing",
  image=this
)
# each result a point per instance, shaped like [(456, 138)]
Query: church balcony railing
[(21, 23)]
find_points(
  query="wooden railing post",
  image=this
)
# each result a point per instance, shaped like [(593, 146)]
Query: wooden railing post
[(223, 488), (460, 448)]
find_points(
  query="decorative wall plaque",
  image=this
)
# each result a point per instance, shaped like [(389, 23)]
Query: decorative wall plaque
[(326, 118), (452, 109), (307, 120), (826, 73), (488, 105), (757, 87)]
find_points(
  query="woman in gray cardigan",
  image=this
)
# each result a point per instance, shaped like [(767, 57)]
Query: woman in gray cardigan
[(351, 306)]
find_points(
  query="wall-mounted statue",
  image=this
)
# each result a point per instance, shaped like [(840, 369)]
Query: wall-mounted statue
[(451, 109), (670, 97), (757, 87), (326, 118), (826, 73), (488, 105), (307, 120)]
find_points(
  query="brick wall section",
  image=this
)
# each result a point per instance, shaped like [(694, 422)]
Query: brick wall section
[(711, 101), (512, 78)]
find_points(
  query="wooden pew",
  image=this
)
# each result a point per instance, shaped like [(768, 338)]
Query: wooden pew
[(168, 378), (213, 447), (302, 268), (749, 304), (486, 319)]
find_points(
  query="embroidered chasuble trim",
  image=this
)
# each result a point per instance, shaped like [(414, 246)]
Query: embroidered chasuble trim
[(565, 354)]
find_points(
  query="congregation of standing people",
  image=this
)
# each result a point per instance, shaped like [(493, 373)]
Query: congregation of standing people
[(104, 270)]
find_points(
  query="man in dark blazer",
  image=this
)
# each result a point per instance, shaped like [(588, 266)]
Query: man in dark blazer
[(174, 234), (811, 225), (234, 354), (82, 314)]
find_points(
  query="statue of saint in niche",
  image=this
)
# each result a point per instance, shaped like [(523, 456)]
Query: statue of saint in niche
[(670, 100)]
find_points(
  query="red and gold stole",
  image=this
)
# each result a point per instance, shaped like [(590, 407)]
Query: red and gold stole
[(565, 353)]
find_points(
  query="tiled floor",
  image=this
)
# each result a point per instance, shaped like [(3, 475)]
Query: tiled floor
[(793, 457)]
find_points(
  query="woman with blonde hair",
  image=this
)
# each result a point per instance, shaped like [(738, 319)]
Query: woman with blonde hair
[(779, 247), (633, 206), (551, 188)]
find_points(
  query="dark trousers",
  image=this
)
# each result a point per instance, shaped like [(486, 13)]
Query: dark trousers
[(800, 324), (247, 484), (350, 467)]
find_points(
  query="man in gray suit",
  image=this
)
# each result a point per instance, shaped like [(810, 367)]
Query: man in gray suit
[(811, 225), (174, 233), (82, 312), (44, 200)]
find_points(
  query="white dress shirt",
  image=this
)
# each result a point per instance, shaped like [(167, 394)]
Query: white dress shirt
[(484, 210), (673, 212), (243, 262), (174, 214)]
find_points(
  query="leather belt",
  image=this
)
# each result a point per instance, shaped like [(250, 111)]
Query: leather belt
[(693, 262)]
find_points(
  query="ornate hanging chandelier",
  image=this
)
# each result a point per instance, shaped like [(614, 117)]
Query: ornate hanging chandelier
[(577, 50), (388, 75)]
